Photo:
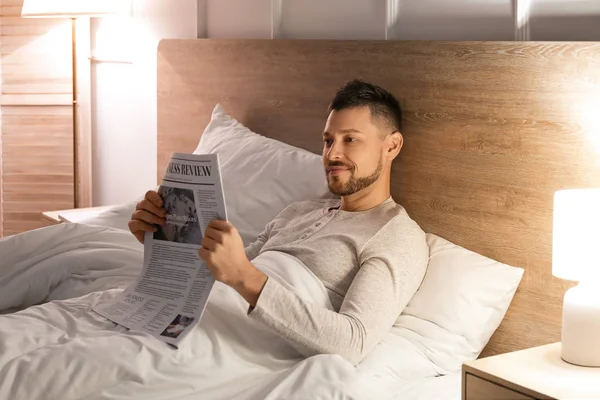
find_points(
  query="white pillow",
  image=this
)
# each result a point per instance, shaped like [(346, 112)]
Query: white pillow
[(459, 305), (450, 319), (117, 216), (261, 176)]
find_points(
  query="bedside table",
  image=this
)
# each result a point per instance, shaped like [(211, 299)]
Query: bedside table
[(74, 215), (536, 373)]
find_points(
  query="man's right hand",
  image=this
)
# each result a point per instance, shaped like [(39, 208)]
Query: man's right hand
[(148, 213)]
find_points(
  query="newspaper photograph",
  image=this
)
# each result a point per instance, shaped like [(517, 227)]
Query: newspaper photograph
[(170, 295)]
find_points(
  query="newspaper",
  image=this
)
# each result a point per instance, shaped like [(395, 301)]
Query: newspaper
[(171, 293)]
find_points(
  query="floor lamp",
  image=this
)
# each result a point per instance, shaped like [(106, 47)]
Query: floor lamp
[(74, 9)]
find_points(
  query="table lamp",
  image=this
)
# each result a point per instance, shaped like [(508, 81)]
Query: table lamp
[(74, 9), (576, 257)]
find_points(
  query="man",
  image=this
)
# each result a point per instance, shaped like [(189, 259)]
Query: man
[(370, 255)]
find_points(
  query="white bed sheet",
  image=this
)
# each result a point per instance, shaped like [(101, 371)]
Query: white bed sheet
[(55, 347), (445, 387), (60, 349)]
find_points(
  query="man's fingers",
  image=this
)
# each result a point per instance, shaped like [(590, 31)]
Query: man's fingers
[(147, 217), (220, 225), (139, 228), (139, 236), (154, 198), (136, 226), (204, 254), (147, 205), (208, 243), (213, 234), (148, 212)]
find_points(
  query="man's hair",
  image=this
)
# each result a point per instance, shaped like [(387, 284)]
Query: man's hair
[(381, 103)]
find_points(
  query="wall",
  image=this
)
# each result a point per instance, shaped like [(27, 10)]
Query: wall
[(409, 19), (125, 136), (124, 94)]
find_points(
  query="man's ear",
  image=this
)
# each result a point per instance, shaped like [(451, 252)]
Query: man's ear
[(395, 143)]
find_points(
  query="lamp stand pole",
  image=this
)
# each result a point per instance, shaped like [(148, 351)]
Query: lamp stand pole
[(75, 114)]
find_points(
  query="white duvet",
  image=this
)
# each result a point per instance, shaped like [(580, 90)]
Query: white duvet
[(53, 347)]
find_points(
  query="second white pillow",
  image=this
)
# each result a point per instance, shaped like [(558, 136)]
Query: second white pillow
[(461, 302)]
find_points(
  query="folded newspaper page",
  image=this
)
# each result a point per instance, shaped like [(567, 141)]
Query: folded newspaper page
[(170, 296)]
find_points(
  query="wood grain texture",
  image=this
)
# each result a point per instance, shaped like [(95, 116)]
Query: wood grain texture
[(36, 100), (36, 62), (492, 130), (37, 164), (37, 118)]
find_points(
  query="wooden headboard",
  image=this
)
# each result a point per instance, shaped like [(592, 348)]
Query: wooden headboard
[(492, 130)]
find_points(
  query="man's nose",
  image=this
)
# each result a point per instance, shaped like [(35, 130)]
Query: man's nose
[(335, 151)]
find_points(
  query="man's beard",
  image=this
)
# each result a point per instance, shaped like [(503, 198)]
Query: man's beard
[(353, 184)]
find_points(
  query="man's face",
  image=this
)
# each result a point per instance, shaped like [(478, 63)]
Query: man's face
[(353, 150)]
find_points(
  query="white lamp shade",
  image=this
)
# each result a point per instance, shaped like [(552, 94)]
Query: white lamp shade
[(576, 234), (74, 8)]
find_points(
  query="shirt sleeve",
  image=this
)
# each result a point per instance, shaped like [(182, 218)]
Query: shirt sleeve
[(388, 277), (254, 248)]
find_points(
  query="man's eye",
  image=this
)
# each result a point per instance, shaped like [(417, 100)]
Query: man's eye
[(351, 139), (328, 142)]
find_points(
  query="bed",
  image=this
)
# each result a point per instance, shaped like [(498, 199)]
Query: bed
[(491, 130)]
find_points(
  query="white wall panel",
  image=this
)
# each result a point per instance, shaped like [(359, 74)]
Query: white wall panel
[(565, 28), (558, 8), (333, 19), (124, 95), (571, 20), (454, 20), (121, 152), (238, 18)]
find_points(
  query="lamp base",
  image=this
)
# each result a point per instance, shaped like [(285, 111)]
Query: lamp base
[(581, 325)]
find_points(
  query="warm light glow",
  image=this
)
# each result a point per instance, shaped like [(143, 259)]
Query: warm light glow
[(590, 122), (115, 39), (54, 57), (74, 8), (575, 237)]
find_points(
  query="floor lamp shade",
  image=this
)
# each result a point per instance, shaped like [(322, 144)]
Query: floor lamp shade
[(73, 8)]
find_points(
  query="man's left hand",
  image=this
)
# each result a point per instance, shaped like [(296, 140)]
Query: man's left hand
[(223, 252)]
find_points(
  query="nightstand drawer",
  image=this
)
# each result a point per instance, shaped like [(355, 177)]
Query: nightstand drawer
[(480, 389)]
